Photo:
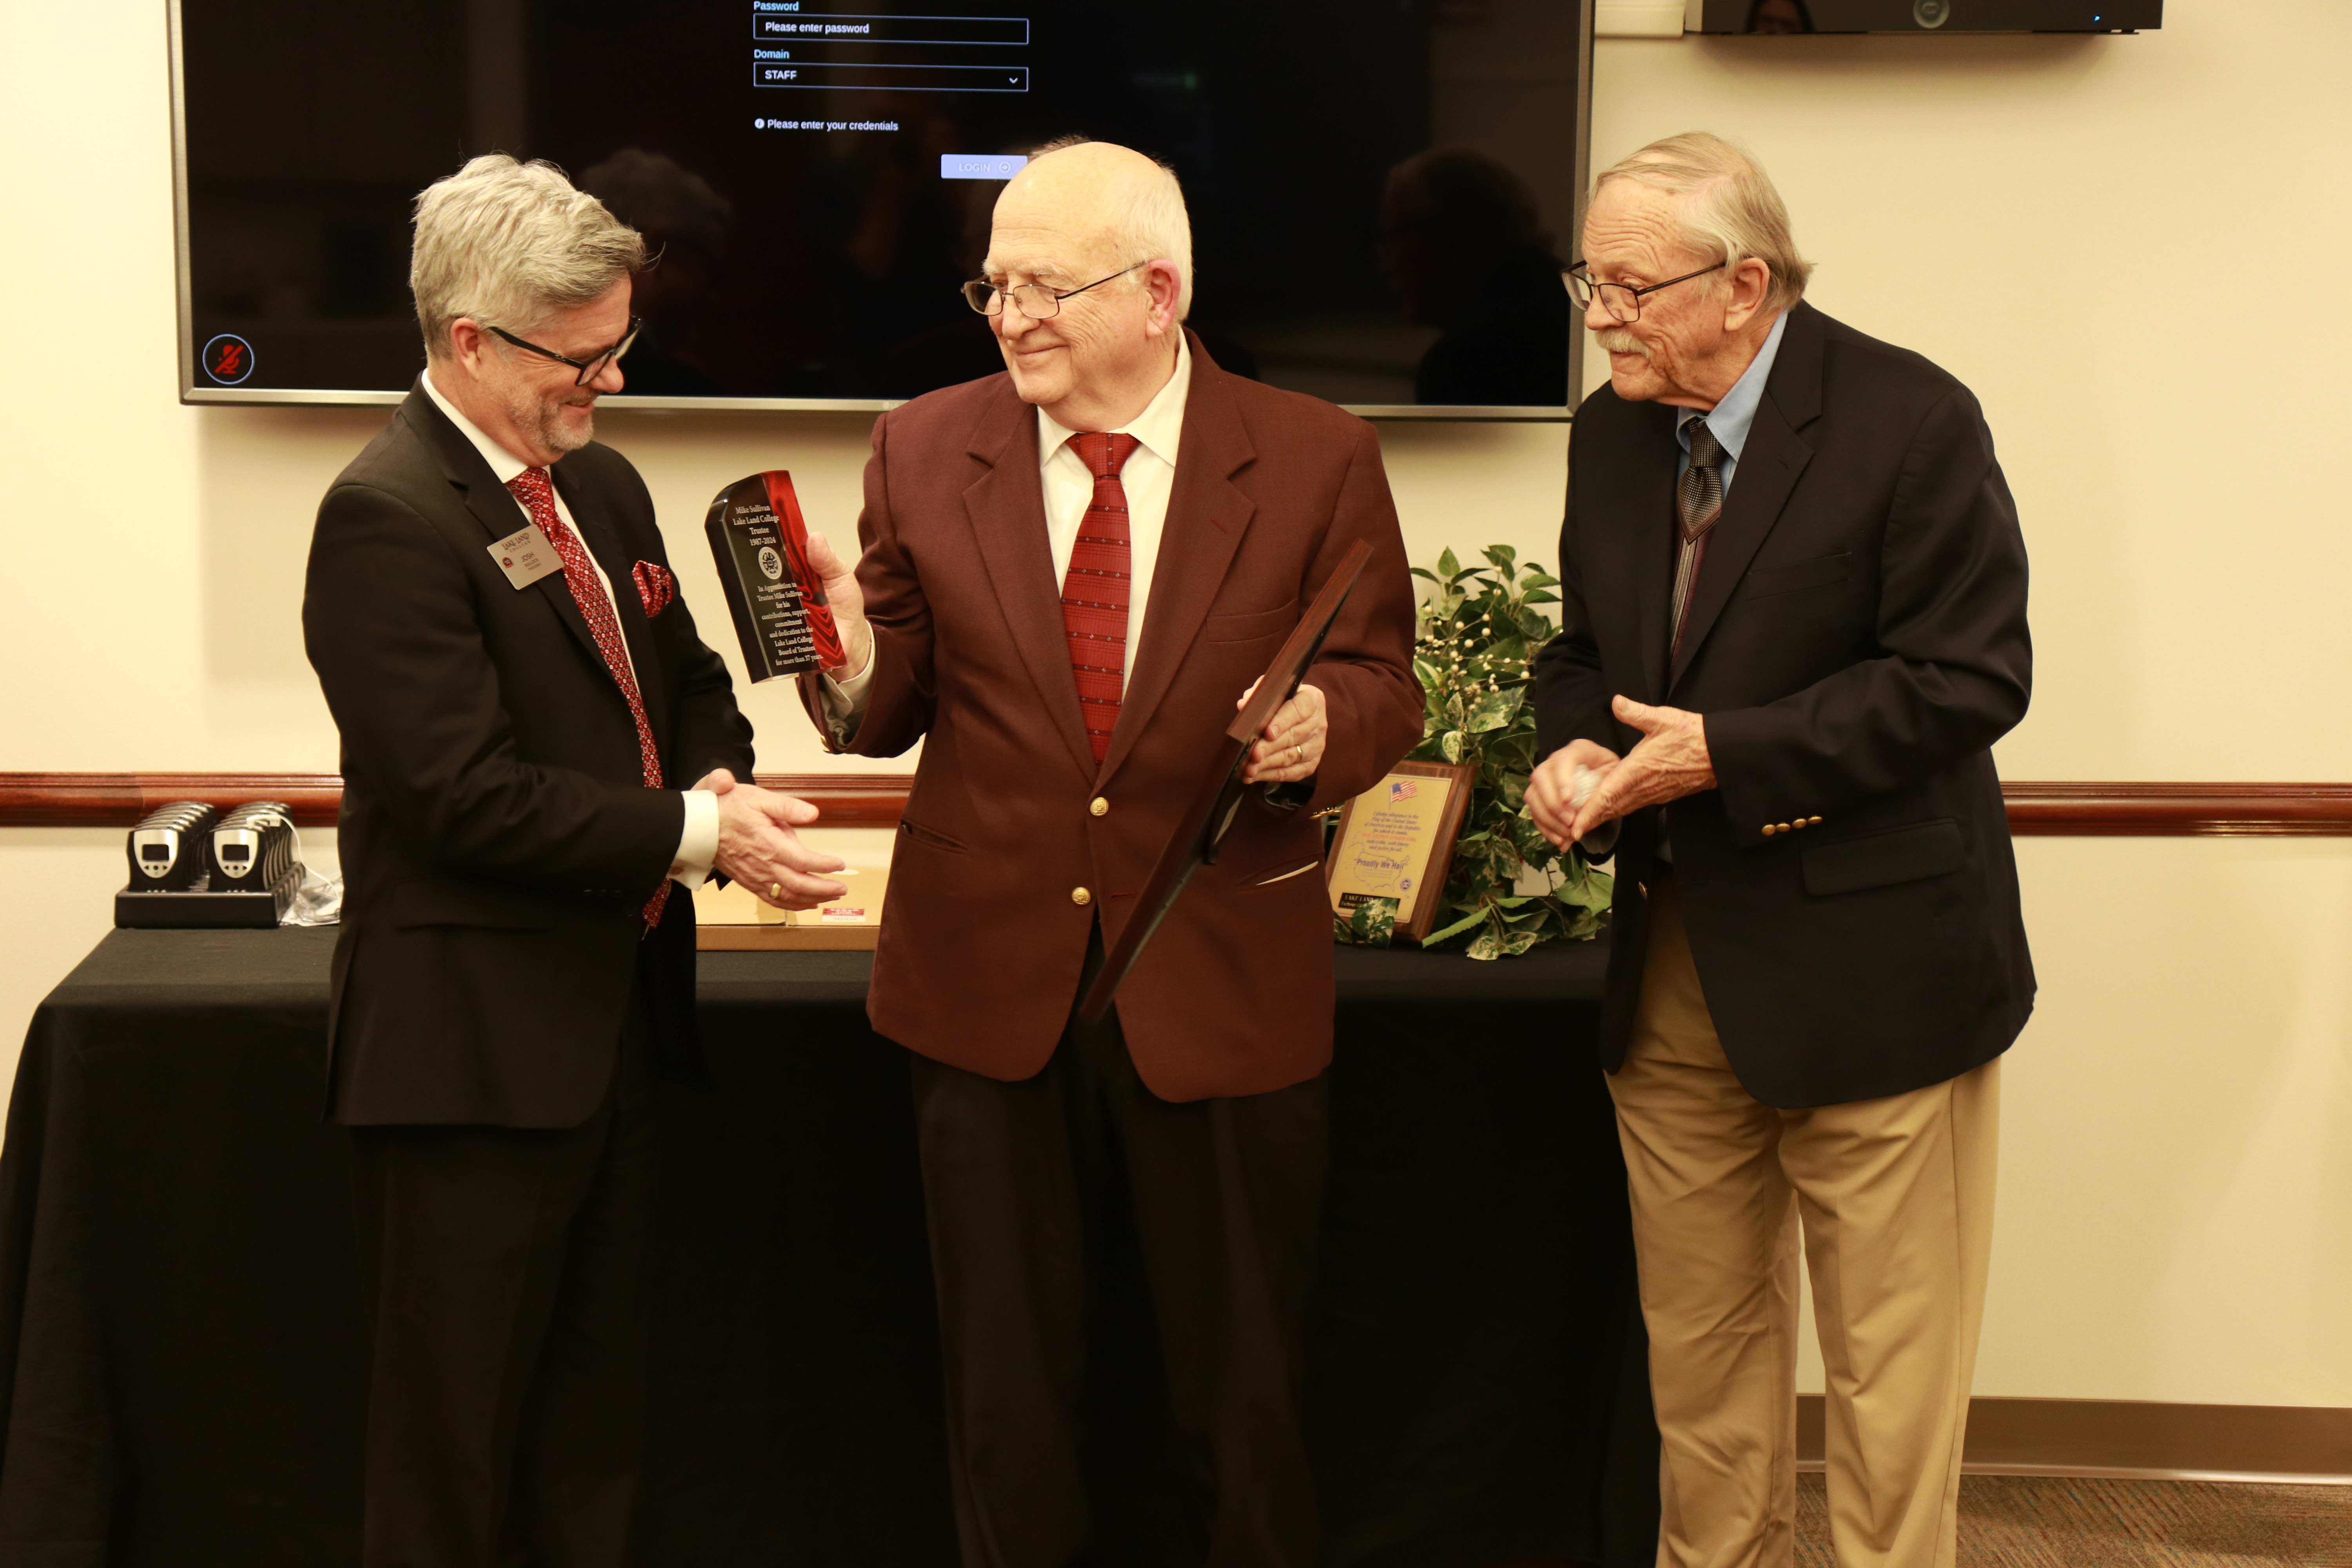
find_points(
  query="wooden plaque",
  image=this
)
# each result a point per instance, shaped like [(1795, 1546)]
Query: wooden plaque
[(730, 920), (1396, 841)]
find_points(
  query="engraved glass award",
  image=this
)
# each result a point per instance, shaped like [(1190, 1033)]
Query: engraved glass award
[(760, 547)]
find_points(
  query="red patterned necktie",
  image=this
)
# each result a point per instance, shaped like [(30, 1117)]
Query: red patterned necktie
[(538, 497), (1096, 591)]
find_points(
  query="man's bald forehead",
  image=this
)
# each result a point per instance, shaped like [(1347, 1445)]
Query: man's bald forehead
[(1097, 165), (1076, 188), (1072, 195)]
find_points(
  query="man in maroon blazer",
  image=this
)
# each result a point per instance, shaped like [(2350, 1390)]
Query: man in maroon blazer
[(1072, 574)]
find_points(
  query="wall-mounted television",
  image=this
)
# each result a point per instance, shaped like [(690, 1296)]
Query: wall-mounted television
[(1949, 18), (1382, 191)]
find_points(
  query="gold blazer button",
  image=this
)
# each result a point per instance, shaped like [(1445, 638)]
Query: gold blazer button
[(1098, 806), (1081, 897)]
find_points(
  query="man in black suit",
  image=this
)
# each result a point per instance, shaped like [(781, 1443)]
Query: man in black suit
[(1793, 625), (517, 687)]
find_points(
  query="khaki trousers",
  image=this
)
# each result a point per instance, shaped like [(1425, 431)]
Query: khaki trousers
[(1896, 1199)]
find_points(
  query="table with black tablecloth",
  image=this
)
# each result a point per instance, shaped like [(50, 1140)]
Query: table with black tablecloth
[(181, 1348)]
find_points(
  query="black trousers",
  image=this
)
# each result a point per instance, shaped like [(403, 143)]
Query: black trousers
[(1225, 1197), (503, 1270)]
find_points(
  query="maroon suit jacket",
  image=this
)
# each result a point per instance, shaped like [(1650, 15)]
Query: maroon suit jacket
[(985, 930)]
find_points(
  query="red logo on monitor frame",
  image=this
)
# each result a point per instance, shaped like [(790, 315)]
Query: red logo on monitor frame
[(228, 359)]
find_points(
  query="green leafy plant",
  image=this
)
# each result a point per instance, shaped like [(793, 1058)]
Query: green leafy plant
[(1478, 629)]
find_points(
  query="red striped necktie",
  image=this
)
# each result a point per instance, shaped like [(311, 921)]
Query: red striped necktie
[(538, 497), (1096, 590)]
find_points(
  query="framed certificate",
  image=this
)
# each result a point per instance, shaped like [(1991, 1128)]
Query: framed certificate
[(1396, 841)]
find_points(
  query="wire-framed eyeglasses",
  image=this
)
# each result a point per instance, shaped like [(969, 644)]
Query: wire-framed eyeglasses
[(1037, 302), (1622, 301), (594, 366)]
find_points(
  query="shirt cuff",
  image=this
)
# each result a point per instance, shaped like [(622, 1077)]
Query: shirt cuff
[(697, 843), (844, 697)]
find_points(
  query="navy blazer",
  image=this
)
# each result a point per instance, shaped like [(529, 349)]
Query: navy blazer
[(1857, 641)]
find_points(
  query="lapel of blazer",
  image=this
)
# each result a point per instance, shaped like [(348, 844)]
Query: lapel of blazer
[(1006, 506), (1769, 466), (1207, 515), (493, 506), (598, 533)]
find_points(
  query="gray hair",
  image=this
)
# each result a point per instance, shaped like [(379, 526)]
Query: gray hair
[(1151, 224), (509, 244), (1729, 205)]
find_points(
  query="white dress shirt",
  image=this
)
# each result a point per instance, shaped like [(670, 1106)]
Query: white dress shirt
[(1147, 478), (697, 843)]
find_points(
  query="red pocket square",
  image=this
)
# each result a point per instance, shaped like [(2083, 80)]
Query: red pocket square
[(656, 587)]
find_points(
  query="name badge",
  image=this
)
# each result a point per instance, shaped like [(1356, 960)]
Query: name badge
[(526, 557)]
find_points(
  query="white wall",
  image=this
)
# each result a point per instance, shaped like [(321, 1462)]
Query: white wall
[(2062, 222), (2038, 215)]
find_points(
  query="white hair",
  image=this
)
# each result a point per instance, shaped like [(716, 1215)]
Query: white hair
[(1729, 205), (509, 244), (1150, 224)]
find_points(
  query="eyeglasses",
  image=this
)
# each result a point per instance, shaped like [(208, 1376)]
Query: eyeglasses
[(1622, 301), (1036, 301), (590, 368)]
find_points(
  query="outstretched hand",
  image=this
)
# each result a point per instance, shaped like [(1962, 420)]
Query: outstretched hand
[(759, 845)]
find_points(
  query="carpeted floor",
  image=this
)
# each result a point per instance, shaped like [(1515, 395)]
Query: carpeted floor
[(2063, 1522)]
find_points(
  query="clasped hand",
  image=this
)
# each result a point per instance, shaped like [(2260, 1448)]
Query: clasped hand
[(1290, 747), (1670, 761), (759, 845)]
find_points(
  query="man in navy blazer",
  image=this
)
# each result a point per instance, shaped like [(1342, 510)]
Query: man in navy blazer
[(1793, 625)]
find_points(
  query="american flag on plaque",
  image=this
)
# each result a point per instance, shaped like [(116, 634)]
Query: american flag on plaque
[(1401, 789)]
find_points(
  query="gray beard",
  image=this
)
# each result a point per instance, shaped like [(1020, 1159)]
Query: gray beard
[(542, 421)]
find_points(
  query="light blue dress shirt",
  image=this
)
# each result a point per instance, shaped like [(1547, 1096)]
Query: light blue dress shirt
[(1730, 419), (1733, 417)]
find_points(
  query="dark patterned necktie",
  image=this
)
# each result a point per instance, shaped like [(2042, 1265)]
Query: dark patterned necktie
[(1096, 589), (532, 488), (1698, 501)]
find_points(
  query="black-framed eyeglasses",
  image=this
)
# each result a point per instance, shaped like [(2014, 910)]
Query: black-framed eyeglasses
[(1037, 302), (594, 366), (1622, 301)]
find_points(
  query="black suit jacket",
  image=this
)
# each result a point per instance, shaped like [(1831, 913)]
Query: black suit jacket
[(497, 840), (1857, 641)]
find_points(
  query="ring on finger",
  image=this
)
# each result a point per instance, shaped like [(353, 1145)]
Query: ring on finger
[(775, 892)]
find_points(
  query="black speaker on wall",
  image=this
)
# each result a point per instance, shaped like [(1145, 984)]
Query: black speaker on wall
[(1941, 17)]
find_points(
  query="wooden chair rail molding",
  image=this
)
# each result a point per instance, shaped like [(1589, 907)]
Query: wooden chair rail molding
[(2071, 810)]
